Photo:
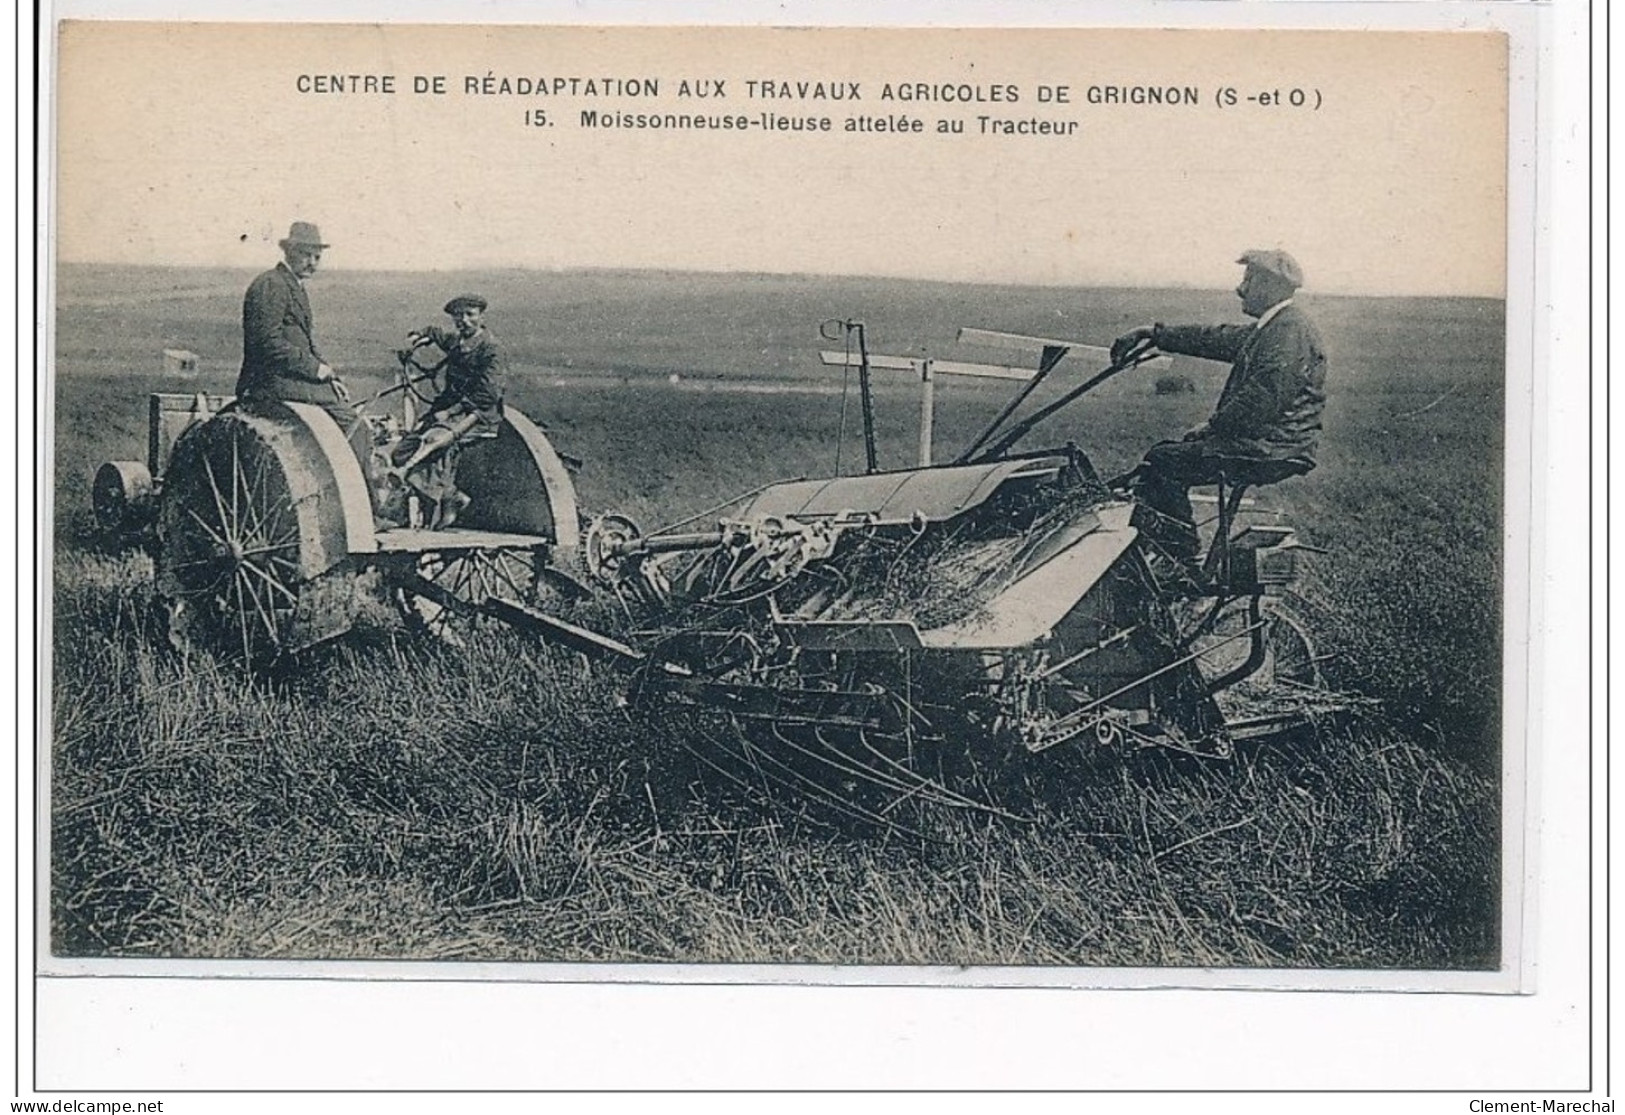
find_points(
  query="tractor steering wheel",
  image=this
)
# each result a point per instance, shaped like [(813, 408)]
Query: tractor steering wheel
[(416, 372)]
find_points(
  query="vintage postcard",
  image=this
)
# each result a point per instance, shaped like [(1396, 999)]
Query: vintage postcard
[(818, 505)]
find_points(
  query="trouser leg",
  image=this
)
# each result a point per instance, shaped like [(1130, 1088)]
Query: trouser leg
[(421, 446), (427, 459), (1162, 487)]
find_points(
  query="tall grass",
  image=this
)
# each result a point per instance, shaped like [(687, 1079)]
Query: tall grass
[(395, 801)]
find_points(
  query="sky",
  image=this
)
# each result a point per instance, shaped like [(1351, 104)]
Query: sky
[(197, 144)]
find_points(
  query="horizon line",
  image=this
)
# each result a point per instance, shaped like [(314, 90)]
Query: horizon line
[(587, 269)]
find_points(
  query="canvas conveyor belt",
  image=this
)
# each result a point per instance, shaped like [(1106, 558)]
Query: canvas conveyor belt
[(948, 572)]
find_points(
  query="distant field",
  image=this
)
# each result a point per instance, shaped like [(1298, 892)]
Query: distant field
[(1389, 357), (1408, 500), (727, 325)]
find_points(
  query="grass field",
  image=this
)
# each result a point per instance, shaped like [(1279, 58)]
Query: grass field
[(390, 800)]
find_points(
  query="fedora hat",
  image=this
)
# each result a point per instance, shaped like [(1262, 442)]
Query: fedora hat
[(303, 234)]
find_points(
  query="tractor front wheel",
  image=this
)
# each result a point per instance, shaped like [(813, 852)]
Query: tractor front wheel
[(122, 496)]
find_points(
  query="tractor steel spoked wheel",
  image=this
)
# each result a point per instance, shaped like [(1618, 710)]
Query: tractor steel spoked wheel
[(232, 553), (443, 591)]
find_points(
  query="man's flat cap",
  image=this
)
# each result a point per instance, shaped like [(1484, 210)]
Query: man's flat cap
[(465, 302), (1276, 262)]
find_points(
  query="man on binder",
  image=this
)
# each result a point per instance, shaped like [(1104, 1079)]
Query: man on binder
[(1266, 426)]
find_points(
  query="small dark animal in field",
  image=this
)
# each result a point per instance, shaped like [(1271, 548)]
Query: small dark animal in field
[(1175, 385)]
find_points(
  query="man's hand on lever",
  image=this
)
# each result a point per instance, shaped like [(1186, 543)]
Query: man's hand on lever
[(1132, 344)]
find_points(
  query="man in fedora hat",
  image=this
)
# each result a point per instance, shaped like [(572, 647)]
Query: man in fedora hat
[(469, 407), (1266, 426), (280, 359)]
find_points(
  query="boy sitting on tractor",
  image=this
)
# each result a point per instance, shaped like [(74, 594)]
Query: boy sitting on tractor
[(469, 407)]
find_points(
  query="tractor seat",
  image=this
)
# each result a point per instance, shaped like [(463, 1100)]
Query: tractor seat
[(1241, 472), (1235, 475)]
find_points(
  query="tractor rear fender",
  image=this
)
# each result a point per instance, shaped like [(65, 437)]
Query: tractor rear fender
[(519, 484), (338, 473)]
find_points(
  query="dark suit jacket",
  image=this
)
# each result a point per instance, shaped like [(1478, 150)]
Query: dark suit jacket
[(1272, 402), (280, 357)]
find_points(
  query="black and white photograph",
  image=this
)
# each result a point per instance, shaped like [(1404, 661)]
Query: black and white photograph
[(496, 523), (1040, 507)]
